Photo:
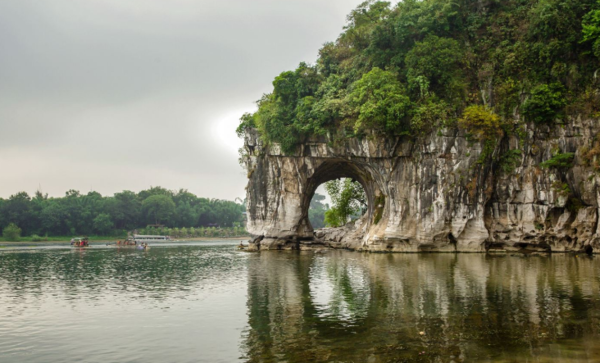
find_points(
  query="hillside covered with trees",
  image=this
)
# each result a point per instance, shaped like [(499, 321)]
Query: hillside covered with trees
[(94, 214), (412, 68)]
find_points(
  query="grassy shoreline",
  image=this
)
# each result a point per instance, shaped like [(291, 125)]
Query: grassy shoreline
[(60, 239)]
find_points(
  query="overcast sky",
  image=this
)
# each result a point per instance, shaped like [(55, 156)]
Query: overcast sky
[(112, 95)]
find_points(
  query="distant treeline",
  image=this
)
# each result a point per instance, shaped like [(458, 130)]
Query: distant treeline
[(317, 210), (192, 232), (94, 214)]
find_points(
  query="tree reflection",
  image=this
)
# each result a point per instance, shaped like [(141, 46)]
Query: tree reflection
[(345, 306), (86, 274)]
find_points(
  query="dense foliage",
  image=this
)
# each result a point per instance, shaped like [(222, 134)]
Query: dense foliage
[(423, 64), (91, 213), (545, 103), (481, 122), (348, 201), (11, 232)]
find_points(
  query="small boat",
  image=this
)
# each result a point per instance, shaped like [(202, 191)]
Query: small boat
[(128, 243), (142, 238), (80, 242)]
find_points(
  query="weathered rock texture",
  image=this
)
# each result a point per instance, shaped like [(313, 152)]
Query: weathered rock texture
[(432, 194)]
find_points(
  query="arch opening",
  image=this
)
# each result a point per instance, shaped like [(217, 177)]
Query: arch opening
[(334, 170), (336, 203)]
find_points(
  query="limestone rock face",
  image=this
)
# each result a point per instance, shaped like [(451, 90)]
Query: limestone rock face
[(436, 193)]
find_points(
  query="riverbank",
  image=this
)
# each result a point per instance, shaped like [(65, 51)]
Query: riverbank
[(61, 239), (64, 240)]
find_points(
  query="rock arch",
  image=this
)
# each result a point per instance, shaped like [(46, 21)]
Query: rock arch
[(432, 193), (335, 168), (406, 206)]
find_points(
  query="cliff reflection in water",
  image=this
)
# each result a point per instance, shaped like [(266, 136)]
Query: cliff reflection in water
[(351, 307)]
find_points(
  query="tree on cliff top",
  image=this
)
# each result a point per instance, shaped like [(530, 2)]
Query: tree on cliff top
[(378, 102), (416, 66), (591, 30)]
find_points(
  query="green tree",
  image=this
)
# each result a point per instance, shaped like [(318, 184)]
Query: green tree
[(316, 211), (429, 113), (11, 232), (591, 30), (362, 21), (481, 122), (103, 224), (379, 103), (435, 63), (144, 194), (545, 104), (559, 161), (348, 199), (158, 208), (54, 218), (18, 210), (185, 215), (448, 54), (285, 116), (125, 209)]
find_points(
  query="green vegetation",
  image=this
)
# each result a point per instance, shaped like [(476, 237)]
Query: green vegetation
[(93, 214), (559, 161), (561, 188), (420, 65), (11, 232), (348, 199), (591, 31), (160, 207), (545, 103), (378, 102), (481, 123), (317, 210), (228, 232), (92, 238), (510, 160)]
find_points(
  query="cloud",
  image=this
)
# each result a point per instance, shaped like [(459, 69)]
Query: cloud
[(113, 94)]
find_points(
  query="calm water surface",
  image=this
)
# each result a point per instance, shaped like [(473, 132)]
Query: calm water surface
[(207, 302)]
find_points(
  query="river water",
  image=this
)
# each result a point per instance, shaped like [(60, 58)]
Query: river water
[(208, 302)]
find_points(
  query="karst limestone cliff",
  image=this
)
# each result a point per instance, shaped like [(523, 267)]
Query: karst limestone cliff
[(433, 193)]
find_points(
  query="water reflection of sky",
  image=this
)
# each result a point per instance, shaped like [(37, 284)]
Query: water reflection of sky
[(101, 305)]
